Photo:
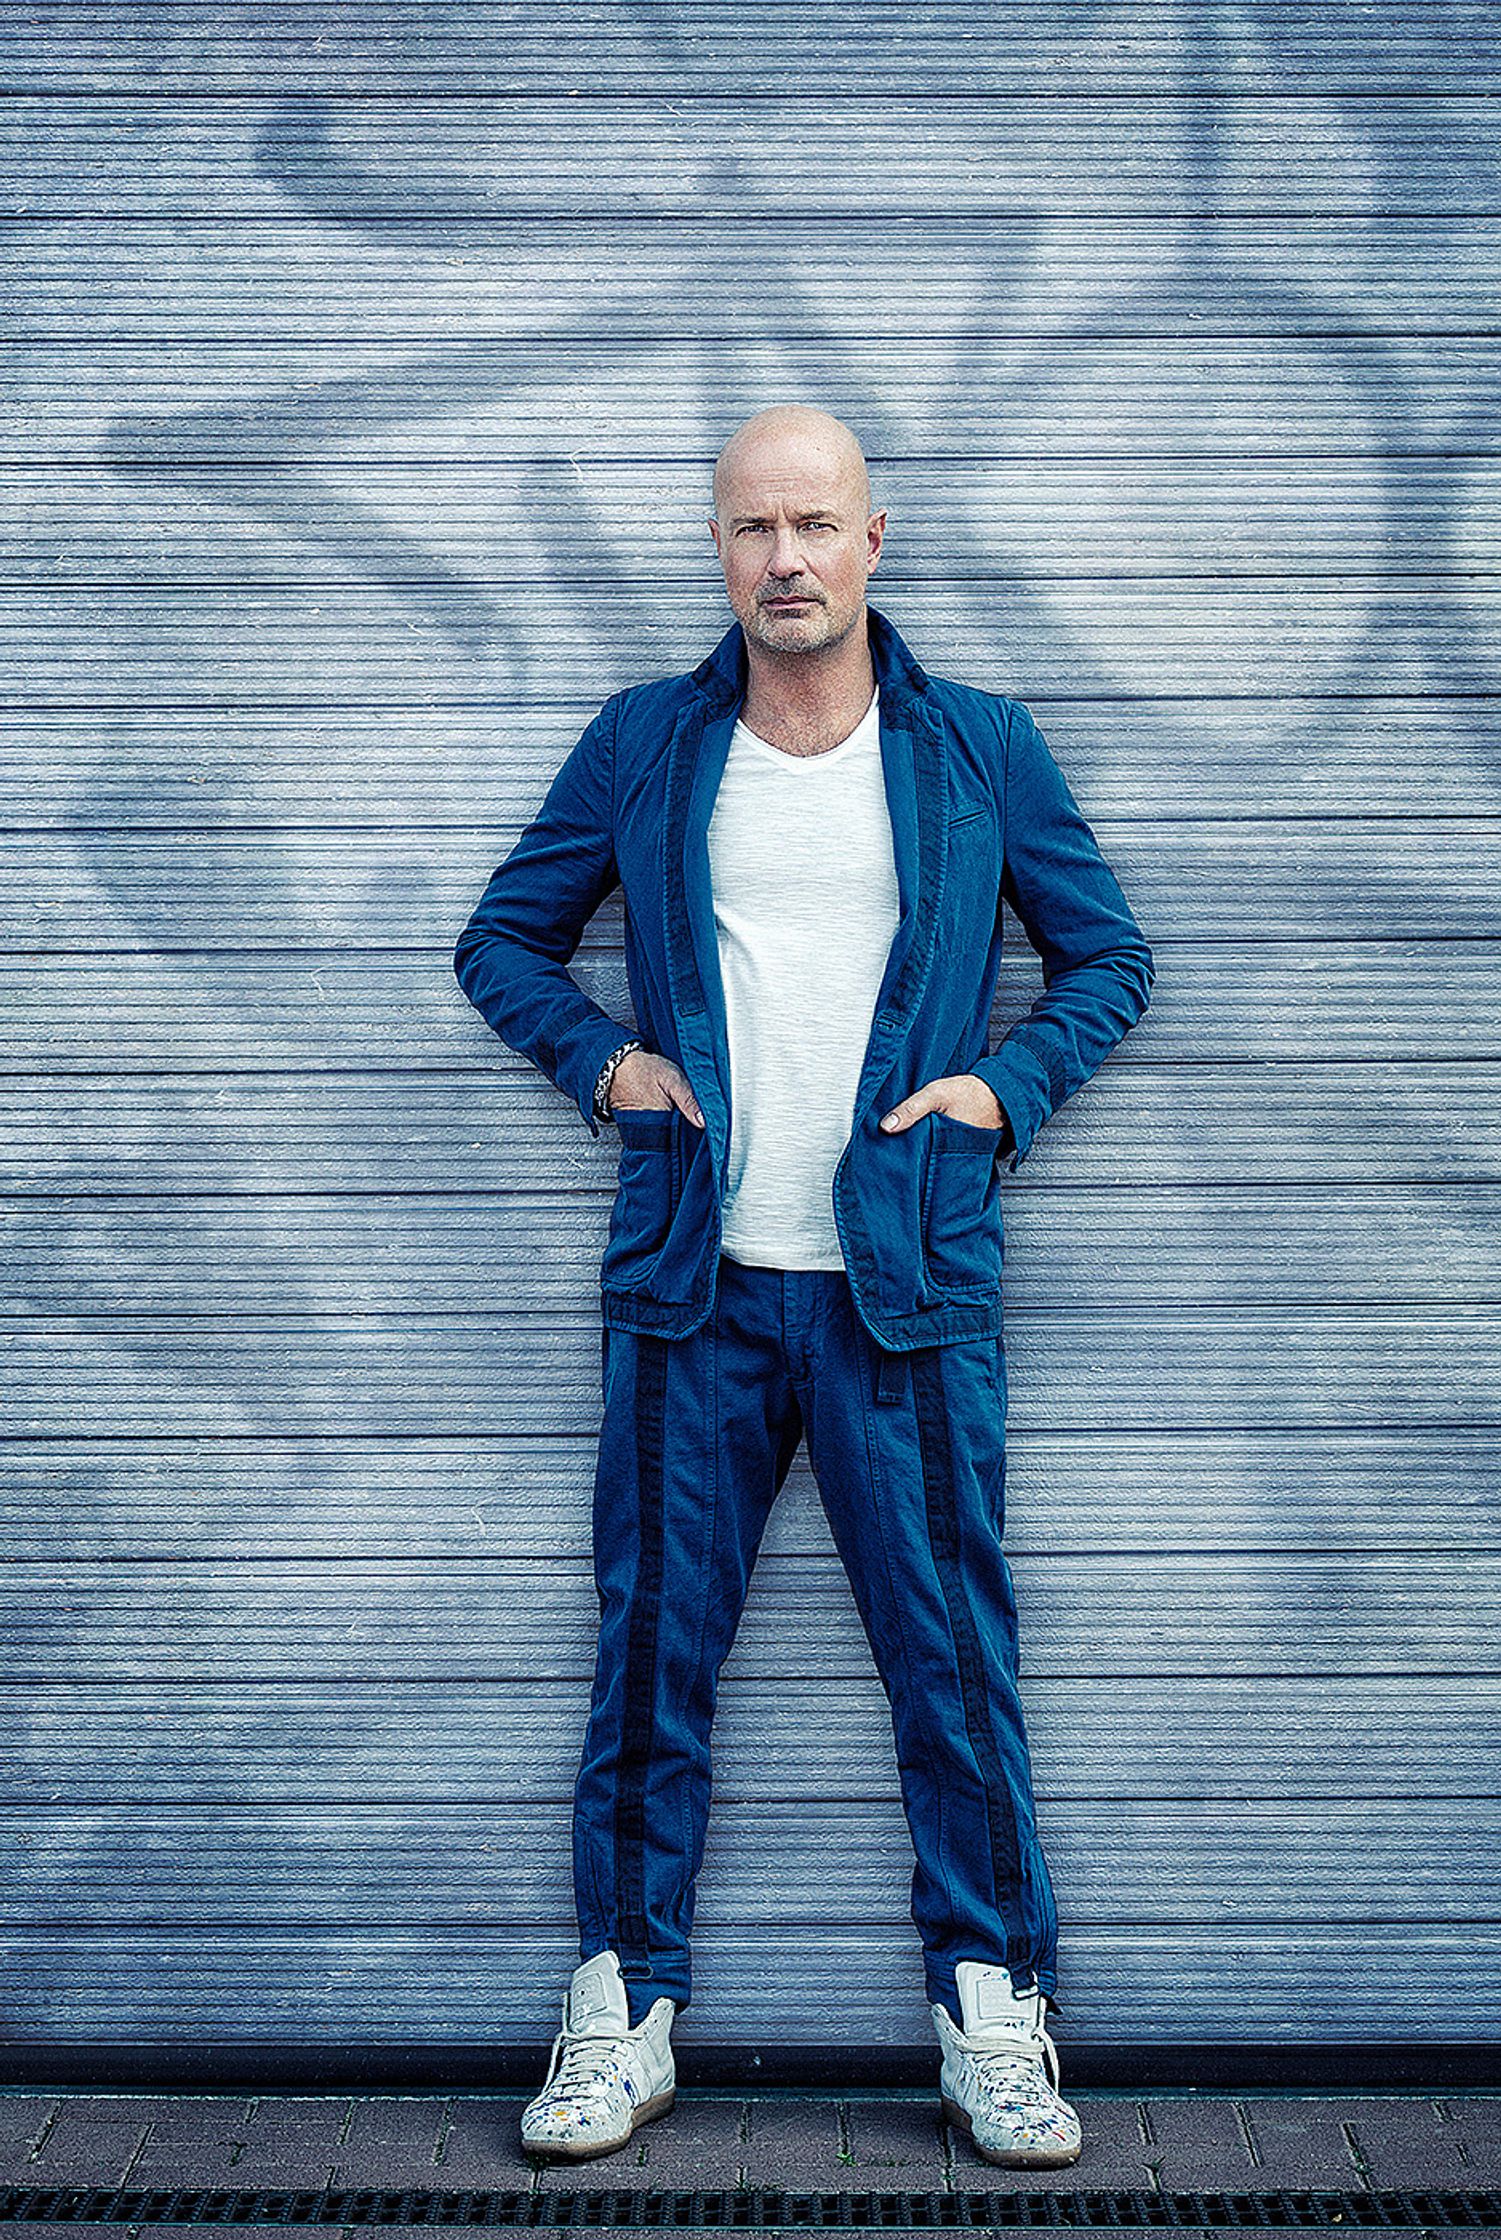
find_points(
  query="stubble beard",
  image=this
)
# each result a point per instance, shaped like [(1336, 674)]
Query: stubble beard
[(799, 633)]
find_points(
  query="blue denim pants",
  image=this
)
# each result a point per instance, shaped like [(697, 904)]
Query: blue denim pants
[(908, 1452)]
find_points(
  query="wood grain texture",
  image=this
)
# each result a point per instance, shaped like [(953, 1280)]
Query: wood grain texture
[(372, 1984), (403, 771), (1082, 1616), (658, 154), (1326, 641), (405, 1255), (1176, 1123), (513, 1369), (1123, 1860), (127, 1010), (195, 407), (1037, 47), (499, 1744), (1130, 1494), (1199, 881), (154, 520)]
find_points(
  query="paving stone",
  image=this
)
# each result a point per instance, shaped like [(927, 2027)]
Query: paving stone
[(249, 2144), (775, 2139), (1407, 2143), (392, 2142), (1476, 2118), (699, 2143), (897, 2145), (93, 2142), (793, 2143), (480, 2146), (194, 2141), (1196, 2144), (24, 2116), (193, 2116), (1198, 2121), (971, 2173), (291, 2140), (1115, 2152), (1298, 2143)]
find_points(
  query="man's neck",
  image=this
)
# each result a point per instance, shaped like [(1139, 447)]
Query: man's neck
[(806, 703)]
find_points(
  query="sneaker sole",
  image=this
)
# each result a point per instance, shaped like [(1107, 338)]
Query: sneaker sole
[(1020, 2158), (648, 2110)]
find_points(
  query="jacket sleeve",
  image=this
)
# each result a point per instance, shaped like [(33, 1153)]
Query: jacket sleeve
[(1097, 969), (511, 957)]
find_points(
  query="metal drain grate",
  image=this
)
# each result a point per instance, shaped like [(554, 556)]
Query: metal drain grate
[(896, 2212)]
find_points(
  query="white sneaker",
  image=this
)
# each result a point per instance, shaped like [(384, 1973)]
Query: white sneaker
[(999, 2072), (604, 2078)]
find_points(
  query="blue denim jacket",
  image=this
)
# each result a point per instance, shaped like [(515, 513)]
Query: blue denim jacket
[(979, 811)]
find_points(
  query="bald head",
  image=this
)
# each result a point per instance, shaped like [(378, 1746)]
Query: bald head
[(787, 440), (795, 534)]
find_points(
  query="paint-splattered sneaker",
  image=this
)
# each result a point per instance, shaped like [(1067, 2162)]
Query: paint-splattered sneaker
[(604, 2077), (999, 2073)]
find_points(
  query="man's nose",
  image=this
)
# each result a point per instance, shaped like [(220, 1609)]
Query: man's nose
[(786, 554)]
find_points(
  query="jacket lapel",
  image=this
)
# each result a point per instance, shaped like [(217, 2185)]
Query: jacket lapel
[(915, 764)]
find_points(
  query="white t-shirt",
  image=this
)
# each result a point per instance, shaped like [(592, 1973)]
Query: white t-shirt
[(805, 907)]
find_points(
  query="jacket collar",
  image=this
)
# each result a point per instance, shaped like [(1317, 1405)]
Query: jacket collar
[(914, 756)]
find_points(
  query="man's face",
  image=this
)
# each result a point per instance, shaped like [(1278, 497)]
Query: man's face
[(796, 546)]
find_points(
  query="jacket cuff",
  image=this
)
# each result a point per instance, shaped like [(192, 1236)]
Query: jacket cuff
[(587, 1063), (606, 1074), (1020, 1082)]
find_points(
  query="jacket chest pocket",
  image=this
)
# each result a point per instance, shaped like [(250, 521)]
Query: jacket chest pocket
[(962, 1241), (648, 1185)]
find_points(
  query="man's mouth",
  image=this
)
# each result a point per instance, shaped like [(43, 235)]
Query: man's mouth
[(791, 599)]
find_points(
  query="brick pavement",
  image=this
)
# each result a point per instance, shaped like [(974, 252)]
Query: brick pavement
[(866, 2140)]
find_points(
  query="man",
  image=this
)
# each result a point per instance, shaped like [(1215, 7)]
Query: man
[(813, 838)]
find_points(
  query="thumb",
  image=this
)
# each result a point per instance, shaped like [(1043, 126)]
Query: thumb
[(902, 1115)]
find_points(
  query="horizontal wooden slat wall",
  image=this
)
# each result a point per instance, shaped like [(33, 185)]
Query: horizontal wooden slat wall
[(365, 370)]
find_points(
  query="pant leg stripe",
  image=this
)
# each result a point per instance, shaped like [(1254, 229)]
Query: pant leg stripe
[(936, 1450), (641, 1652)]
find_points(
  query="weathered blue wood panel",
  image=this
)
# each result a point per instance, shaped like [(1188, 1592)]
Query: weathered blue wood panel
[(1039, 47), (355, 444)]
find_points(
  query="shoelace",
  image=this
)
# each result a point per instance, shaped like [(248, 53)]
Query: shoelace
[(1002, 2070), (586, 2064)]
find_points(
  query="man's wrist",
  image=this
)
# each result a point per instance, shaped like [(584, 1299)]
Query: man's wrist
[(1004, 1120), (607, 1074), (1008, 1133)]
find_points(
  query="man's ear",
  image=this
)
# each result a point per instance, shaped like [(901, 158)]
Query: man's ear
[(876, 526)]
